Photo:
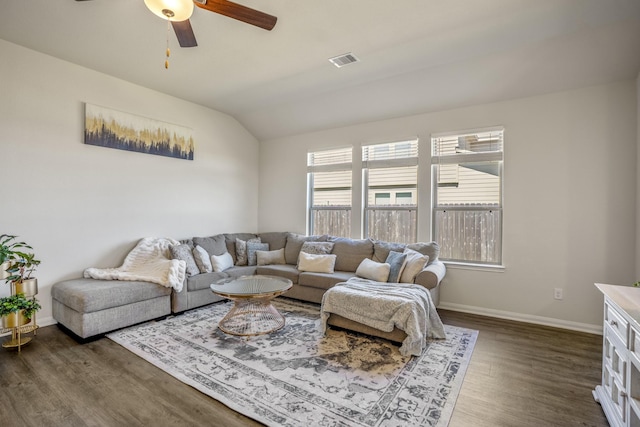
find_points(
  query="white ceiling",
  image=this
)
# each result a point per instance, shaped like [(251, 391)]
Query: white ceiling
[(416, 55)]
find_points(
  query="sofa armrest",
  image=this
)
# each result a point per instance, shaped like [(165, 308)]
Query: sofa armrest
[(431, 276)]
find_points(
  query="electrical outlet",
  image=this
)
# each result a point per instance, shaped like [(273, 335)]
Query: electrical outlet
[(557, 293)]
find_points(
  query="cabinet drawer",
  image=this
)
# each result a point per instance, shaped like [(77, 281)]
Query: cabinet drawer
[(615, 393), (616, 322), (615, 357)]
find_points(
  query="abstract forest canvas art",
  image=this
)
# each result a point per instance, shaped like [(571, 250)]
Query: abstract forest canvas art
[(114, 129)]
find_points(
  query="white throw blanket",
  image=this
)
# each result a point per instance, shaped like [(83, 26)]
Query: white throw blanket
[(384, 306), (149, 261)]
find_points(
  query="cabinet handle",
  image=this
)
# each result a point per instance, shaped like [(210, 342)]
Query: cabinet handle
[(623, 393), (613, 323)]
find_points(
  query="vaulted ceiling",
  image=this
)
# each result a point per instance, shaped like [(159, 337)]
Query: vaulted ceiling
[(415, 55)]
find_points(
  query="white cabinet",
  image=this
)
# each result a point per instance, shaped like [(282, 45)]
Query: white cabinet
[(619, 391)]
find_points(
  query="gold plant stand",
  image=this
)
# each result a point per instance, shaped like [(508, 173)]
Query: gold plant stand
[(17, 339)]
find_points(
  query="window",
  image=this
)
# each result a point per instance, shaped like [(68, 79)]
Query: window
[(390, 176), (467, 196), (329, 178)]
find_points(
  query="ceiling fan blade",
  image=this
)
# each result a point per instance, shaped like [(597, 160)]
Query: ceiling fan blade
[(239, 12), (184, 33)]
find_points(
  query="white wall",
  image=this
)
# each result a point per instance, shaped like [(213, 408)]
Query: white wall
[(569, 197), (638, 183), (83, 206)]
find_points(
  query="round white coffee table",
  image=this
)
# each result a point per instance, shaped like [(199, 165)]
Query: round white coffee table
[(252, 312)]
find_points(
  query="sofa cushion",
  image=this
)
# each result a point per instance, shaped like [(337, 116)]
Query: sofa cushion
[(214, 245), (294, 244), (183, 252), (202, 281), (270, 257), (89, 295), (381, 249), (222, 262), (230, 241), (397, 261), (239, 271), (415, 263), (369, 269), (287, 271), (351, 252), (203, 259), (276, 239), (432, 249), (324, 280), (316, 263)]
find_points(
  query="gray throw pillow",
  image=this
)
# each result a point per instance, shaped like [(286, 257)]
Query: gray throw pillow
[(241, 250), (183, 252), (252, 248), (397, 261), (317, 248)]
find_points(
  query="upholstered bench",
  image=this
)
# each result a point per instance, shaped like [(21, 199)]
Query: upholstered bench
[(394, 311), (90, 307)]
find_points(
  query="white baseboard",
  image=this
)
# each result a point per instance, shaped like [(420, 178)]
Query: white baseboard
[(538, 320)]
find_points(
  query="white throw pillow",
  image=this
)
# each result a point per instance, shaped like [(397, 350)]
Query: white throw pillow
[(369, 269), (316, 263), (221, 262), (415, 263), (270, 257), (202, 259)]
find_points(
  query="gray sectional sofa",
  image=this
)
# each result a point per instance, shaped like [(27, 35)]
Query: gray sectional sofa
[(307, 286), (75, 307)]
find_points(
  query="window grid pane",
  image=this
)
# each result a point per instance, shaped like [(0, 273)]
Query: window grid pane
[(392, 225), (390, 151), (331, 189), (329, 157), (392, 181), (336, 222), (469, 235)]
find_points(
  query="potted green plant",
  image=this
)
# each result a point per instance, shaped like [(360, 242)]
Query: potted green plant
[(21, 270), (17, 310), (9, 247)]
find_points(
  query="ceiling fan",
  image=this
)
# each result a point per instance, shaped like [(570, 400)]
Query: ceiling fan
[(179, 11)]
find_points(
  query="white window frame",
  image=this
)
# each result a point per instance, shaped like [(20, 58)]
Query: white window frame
[(495, 212), (368, 164), (333, 167)]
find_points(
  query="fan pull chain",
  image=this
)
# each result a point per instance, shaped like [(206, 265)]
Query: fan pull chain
[(166, 62)]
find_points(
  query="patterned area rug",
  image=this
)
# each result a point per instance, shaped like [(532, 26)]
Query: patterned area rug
[(297, 377)]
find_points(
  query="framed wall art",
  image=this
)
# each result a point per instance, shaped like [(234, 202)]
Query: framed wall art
[(109, 128)]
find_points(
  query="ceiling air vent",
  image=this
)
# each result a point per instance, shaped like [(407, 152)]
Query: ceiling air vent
[(342, 60)]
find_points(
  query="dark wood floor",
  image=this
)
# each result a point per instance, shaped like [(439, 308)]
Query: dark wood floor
[(520, 375)]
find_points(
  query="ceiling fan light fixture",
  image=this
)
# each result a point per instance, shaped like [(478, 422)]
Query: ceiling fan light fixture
[(171, 10)]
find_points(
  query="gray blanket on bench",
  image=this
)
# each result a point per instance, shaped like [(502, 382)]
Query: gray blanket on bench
[(384, 306)]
